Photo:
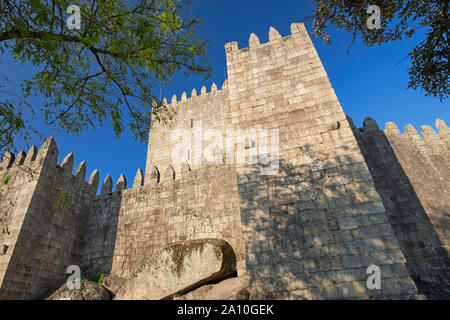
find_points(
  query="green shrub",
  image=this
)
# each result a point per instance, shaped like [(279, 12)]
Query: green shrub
[(98, 278), (6, 179)]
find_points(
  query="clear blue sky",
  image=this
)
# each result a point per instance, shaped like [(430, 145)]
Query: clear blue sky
[(368, 81)]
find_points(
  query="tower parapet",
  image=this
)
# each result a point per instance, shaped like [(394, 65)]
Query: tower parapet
[(43, 196)]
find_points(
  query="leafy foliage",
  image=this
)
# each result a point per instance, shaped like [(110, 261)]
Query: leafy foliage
[(5, 179), (107, 69), (399, 20), (12, 123), (98, 278)]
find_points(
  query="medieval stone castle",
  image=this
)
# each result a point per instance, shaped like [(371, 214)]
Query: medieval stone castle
[(342, 198)]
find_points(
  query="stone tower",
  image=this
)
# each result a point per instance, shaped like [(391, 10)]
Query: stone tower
[(311, 229), (269, 163)]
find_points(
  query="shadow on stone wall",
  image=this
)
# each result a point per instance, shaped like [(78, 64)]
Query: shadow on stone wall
[(311, 231), (427, 259), (100, 238), (50, 237)]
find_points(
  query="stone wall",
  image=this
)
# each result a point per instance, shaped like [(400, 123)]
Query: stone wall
[(307, 228), (311, 230), (412, 177), (182, 138), (16, 195), (99, 239), (47, 223), (171, 207)]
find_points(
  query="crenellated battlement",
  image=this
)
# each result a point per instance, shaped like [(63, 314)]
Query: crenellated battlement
[(427, 131), (298, 30), (36, 158), (11, 161), (108, 189), (45, 158), (438, 139), (195, 97), (157, 176), (410, 173), (190, 104), (430, 140)]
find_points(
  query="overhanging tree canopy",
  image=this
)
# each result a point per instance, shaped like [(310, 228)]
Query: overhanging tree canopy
[(400, 19), (108, 68)]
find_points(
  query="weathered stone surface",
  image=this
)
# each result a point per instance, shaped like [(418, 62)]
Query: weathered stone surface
[(229, 289), (32, 153), (113, 283), (253, 41), (407, 172), (348, 223), (369, 124), (51, 198), (121, 184), (20, 158), (154, 177), (68, 162), (7, 160), (180, 267), (139, 178), (107, 185), (94, 179), (80, 173), (197, 294), (89, 291), (274, 34)]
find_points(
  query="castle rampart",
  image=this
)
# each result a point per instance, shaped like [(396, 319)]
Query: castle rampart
[(46, 217), (411, 176), (336, 200), (127, 226)]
